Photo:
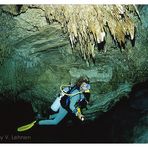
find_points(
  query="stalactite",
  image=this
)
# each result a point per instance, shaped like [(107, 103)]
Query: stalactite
[(85, 24)]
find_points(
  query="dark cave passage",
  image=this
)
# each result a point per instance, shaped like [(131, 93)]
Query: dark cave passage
[(114, 126)]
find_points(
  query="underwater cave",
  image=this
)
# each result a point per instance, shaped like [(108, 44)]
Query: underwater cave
[(44, 47)]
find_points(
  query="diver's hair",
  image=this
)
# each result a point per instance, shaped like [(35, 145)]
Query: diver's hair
[(81, 80)]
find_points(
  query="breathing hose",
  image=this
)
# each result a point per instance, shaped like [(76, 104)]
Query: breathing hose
[(67, 93)]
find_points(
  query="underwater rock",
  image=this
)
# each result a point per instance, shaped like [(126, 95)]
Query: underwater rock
[(102, 73), (14, 9), (141, 131)]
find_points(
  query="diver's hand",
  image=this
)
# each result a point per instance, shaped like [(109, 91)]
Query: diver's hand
[(80, 116)]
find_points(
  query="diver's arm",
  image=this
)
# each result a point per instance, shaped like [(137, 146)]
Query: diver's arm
[(74, 109)]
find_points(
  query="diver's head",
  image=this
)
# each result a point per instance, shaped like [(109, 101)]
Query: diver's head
[(83, 83)]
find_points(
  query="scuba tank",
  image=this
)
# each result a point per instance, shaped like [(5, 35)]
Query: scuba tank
[(56, 104)]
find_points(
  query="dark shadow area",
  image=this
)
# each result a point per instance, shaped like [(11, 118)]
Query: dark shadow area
[(114, 126), (14, 114), (101, 45)]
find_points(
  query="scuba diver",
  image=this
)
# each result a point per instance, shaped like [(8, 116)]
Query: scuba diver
[(78, 94)]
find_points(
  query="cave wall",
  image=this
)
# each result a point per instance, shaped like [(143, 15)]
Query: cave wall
[(36, 58)]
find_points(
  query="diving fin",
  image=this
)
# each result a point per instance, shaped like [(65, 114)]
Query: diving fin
[(26, 127)]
